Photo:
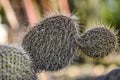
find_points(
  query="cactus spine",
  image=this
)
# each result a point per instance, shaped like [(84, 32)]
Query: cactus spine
[(51, 43), (14, 64), (98, 42)]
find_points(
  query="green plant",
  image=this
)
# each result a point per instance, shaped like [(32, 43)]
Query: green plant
[(98, 42), (14, 64), (51, 43)]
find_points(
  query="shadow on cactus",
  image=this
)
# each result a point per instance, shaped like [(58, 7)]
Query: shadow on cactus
[(98, 42), (14, 64), (51, 43)]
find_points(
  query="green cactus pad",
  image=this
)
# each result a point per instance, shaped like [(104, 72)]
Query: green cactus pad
[(51, 43), (98, 42), (14, 64)]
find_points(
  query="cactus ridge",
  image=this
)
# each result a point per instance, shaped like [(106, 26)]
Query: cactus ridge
[(51, 44)]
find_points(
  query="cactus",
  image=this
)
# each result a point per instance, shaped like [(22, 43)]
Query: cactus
[(98, 42), (14, 64), (51, 43)]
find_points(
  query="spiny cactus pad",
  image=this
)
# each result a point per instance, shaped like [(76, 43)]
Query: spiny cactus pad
[(51, 44), (98, 42), (14, 65)]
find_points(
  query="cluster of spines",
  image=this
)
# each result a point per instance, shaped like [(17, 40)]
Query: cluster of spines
[(51, 44), (14, 64), (98, 42)]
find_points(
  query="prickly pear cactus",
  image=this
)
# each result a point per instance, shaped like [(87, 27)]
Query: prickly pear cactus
[(14, 64), (98, 42), (51, 43)]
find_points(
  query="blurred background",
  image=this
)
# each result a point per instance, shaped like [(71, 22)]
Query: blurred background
[(17, 16)]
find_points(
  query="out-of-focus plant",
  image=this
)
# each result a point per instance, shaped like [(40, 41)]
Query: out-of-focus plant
[(110, 11)]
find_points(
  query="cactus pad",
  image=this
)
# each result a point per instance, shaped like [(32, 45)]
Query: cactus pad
[(98, 42), (14, 65), (51, 43)]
